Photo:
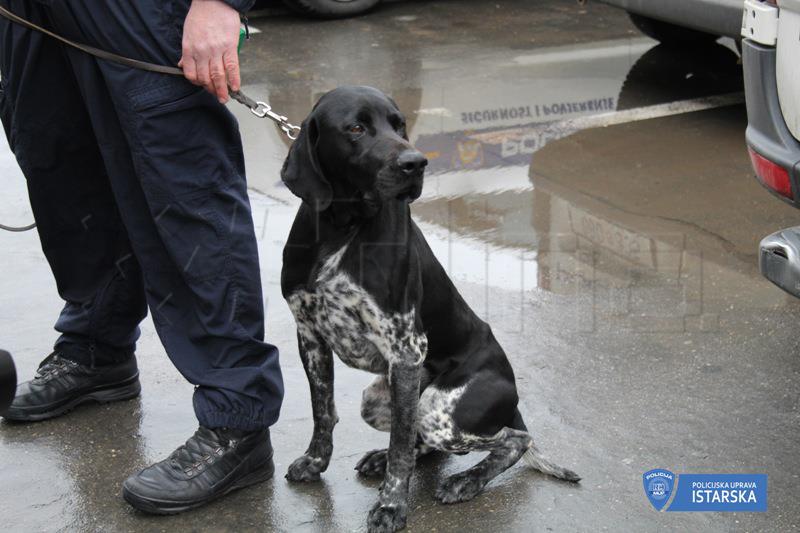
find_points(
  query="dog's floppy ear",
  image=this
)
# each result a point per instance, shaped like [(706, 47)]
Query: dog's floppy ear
[(301, 171)]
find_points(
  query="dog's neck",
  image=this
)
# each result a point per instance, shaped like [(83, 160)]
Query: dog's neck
[(356, 208), (349, 214)]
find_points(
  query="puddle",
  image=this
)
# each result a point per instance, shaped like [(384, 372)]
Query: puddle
[(520, 197), (616, 265)]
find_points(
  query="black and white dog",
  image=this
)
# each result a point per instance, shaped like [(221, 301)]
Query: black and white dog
[(363, 283)]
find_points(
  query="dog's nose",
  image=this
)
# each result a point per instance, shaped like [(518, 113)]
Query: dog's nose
[(412, 162)]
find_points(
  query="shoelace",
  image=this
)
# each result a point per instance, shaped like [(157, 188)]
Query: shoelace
[(201, 450), (53, 365)]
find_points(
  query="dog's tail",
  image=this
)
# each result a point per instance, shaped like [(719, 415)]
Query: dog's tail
[(536, 460)]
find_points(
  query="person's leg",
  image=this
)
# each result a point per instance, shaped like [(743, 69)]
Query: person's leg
[(175, 161), (81, 233), (80, 230)]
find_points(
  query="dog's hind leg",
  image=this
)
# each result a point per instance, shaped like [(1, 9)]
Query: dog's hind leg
[(477, 416), (505, 448), (318, 363), (452, 420)]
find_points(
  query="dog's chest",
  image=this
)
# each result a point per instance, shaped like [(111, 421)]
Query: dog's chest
[(347, 318)]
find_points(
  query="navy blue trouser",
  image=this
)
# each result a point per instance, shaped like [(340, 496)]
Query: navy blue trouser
[(138, 188)]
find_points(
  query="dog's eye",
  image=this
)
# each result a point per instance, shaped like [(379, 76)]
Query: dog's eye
[(356, 129)]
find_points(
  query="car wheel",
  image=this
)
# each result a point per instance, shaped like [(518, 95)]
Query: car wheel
[(666, 74), (330, 8), (670, 34)]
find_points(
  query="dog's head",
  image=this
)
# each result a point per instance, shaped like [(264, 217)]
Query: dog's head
[(353, 147)]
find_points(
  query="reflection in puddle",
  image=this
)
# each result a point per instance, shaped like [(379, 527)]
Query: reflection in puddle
[(496, 118), (505, 207)]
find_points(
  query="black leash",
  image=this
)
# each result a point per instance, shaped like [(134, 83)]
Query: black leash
[(259, 109), (134, 63), (17, 230)]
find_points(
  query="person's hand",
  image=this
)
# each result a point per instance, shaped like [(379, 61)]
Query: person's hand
[(210, 39)]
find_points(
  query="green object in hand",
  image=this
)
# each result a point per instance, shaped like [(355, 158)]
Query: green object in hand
[(242, 39)]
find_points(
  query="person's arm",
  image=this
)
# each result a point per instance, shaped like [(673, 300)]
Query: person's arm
[(210, 41)]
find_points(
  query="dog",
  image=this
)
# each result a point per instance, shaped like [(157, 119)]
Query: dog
[(362, 282)]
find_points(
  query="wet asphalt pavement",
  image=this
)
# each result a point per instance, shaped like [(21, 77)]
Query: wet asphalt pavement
[(609, 239)]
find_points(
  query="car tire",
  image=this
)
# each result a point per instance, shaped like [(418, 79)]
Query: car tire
[(666, 74), (670, 34), (330, 9)]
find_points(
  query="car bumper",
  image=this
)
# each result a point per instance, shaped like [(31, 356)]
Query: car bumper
[(767, 133), (779, 259)]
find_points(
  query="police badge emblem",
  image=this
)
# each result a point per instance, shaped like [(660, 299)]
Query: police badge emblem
[(658, 486)]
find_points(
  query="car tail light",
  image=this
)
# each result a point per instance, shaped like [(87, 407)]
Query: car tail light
[(771, 2), (771, 174)]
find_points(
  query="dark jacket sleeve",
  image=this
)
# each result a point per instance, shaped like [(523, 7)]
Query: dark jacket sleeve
[(242, 6)]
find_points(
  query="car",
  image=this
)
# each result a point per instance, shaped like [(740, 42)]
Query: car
[(684, 22), (770, 49), (323, 8)]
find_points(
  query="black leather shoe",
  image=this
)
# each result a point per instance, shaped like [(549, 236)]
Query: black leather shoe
[(61, 384), (211, 464)]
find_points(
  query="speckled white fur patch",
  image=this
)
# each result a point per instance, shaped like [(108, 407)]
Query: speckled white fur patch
[(349, 320), (437, 426)]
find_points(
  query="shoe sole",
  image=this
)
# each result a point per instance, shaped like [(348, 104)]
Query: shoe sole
[(124, 390), (262, 473)]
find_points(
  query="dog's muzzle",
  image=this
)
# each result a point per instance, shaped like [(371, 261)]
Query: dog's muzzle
[(411, 191), (412, 165)]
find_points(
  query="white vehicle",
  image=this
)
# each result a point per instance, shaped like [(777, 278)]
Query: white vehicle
[(770, 53), (684, 22)]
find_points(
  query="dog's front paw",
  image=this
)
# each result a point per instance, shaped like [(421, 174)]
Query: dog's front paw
[(387, 518), (373, 464), (460, 488), (305, 468)]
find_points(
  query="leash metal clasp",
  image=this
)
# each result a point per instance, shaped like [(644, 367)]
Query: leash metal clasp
[(264, 110), (261, 109), (291, 130)]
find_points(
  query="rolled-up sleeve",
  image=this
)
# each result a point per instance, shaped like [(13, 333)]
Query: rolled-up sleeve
[(242, 6)]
